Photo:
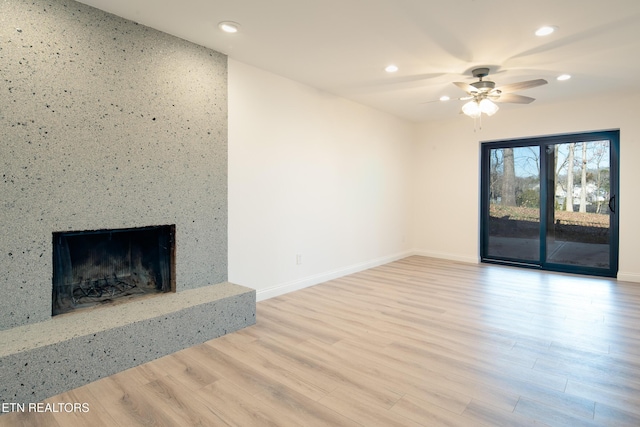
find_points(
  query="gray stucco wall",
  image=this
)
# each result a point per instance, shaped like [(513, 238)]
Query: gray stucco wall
[(105, 124)]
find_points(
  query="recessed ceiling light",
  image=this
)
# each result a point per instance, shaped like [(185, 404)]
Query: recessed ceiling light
[(444, 98), (564, 77), (546, 30), (391, 68), (229, 26)]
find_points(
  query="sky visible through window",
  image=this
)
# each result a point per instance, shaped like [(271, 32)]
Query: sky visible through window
[(527, 159)]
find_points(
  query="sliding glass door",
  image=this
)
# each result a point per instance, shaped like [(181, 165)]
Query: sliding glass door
[(552, 203)]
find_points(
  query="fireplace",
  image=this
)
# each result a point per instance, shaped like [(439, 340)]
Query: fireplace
[(99, 267)]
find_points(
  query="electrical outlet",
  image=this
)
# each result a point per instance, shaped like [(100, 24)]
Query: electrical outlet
[(298, 259)]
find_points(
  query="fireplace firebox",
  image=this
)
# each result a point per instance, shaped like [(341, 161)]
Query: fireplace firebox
[(98, 267)]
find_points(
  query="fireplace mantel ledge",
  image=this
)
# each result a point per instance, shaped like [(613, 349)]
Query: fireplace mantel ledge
[(98, 319)]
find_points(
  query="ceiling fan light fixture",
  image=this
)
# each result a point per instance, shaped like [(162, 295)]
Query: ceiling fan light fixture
[(472, 109), (391, 68), (488, 107), (444, 98), (475, 108), (564, 77)]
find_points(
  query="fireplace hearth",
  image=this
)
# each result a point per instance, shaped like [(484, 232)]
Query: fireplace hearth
[(98, 267)]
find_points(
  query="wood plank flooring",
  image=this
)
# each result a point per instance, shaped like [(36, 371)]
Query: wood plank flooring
[(417, 342)]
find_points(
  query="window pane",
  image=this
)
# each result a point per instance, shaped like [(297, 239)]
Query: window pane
[(514, 204), (578, 232)]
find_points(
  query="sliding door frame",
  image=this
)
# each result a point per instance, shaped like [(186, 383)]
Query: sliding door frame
[(613, 136)]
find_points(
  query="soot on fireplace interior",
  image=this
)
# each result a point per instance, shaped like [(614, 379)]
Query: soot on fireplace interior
[(101, 266)]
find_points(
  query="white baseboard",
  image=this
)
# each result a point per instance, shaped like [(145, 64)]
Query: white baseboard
[(450, 257), (628, 277), (305, 282)]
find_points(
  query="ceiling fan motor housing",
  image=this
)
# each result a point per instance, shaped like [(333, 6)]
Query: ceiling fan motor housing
[(484, 86)]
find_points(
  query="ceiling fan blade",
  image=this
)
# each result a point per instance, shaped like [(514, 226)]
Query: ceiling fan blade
[(466, 87), (464, 98), (513, 99), (522, 85)]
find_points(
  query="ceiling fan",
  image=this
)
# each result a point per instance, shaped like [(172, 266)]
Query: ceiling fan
[(483, 94)]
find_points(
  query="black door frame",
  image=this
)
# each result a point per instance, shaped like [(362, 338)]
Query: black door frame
[(543, 142)]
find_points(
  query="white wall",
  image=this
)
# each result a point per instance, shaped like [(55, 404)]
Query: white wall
[(348, 187), (315, 175), (445, 221)]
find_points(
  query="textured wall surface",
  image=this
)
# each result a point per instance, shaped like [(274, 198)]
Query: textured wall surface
[(105, 124)]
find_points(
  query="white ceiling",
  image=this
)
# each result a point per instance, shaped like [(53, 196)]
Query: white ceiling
[(343, 46)]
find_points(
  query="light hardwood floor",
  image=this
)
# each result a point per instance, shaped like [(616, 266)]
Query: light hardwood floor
[(417, 342)]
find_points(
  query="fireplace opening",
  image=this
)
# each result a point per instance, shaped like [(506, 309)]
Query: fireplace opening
[(105, 266)]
